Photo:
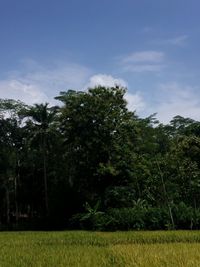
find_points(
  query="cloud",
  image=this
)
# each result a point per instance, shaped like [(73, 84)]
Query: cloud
[(144, 68), (69, 76), (134, 101), (20, 90), (175, 99), (37, 83), (177, 41), (105, 80), (143, 61), (144, 56)]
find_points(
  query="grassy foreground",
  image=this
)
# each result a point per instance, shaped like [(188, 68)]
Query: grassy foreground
[(94, 249)]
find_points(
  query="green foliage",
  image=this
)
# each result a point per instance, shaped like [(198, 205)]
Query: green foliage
[(98, 131), (135, 173), (92, 219), (127, 218), (119, 196)]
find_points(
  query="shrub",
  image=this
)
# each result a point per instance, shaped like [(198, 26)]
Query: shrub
[(126, 218), (184, 216), (119, 197), (156, 218)]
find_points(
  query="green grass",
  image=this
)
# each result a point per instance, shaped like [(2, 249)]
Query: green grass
[(94, 249)]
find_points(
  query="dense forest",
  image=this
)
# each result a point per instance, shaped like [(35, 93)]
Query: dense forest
[(90, 163)]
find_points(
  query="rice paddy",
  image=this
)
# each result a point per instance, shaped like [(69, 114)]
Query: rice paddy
[(100, 249)]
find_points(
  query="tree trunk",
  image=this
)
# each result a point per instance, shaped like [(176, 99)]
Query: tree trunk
[(16, 178), (166, 196), (45, 178), (16, 202), (7, 206)]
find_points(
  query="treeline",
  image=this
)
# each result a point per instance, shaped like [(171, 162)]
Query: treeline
[(90, 163)]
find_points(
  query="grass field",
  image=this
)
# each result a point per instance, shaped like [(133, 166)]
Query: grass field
[(94, 249)]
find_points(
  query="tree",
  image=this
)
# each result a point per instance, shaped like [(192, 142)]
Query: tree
[(99, 135), (41, 117), (11, 140)]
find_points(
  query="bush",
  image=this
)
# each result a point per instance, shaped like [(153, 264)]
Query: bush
[(156, 218), (98, 221), (119, 197), (138, 217), (126, 218), (92, 219), (185, 216)]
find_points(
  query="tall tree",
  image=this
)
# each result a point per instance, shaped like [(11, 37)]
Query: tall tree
[(11, 141), (41, 117), (99, 135)]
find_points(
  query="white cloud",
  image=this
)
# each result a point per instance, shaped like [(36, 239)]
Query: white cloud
[(144, 68), (144, 56), (105, 80), (135, 101), (175, 99), (143, 61), (19, 90), (60, 77), (36, 83), (177, 41)]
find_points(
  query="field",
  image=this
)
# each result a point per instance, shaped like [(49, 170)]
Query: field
[(95, 249)]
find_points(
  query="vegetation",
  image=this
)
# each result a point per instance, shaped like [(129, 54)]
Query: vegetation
[(92, 164), (145, 249)]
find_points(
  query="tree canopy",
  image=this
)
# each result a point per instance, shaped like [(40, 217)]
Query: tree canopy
[(91, 163)]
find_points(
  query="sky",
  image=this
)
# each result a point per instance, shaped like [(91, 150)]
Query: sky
[(151, 47)]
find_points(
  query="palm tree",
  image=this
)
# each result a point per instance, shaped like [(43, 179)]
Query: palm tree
[(41, 118)]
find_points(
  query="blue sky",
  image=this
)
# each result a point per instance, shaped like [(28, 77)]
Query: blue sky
[(149, 46)]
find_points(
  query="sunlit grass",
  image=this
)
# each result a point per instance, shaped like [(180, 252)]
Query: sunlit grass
[(171, 254), (78, 248)]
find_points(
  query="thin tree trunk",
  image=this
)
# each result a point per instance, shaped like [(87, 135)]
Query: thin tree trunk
[(16, 178), (7, 206), (138, 187), (16, 202), (166, 196), (45, 178)]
